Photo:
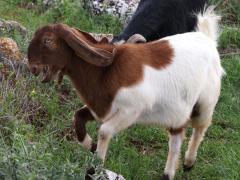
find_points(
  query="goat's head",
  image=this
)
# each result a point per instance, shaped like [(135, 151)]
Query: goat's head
[(53, 46)]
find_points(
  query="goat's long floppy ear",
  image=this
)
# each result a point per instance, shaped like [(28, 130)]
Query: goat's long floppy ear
[(88, 36), (95, 56)]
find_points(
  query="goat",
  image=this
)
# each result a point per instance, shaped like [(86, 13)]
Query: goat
[(172, 82), (155, 19)]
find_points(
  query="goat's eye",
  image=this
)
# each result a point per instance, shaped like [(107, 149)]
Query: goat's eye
[(47, 41)]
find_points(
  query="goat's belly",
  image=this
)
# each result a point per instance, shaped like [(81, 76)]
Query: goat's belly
[(165, 116)]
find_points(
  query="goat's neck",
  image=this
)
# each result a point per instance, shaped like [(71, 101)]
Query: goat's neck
[(88, 80), (85, 75)]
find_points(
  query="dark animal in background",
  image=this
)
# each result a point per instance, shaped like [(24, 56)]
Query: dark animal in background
[(155, 19)]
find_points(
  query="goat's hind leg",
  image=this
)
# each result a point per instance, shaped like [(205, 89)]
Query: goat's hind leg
[(201, 117), (175, 141), (81, 117), (200, 122), (191, 153)]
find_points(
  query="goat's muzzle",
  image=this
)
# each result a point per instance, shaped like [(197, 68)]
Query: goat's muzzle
[(46, 72)]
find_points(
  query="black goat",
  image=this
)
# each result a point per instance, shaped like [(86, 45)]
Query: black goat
[(155, 19)]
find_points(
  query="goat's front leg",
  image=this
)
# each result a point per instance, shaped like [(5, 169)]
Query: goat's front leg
[(175, 141), (81, 117), (120, 121)]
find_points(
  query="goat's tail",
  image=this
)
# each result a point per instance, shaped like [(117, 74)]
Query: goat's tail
[(207, 23)]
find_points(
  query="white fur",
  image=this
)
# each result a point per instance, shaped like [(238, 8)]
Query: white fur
[(175, 142), (87, 142), (166, 96), (208, 23)]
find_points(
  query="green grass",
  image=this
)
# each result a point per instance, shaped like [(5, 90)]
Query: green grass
[(229, 9), (36, 141), (68, 12), (230, 38)]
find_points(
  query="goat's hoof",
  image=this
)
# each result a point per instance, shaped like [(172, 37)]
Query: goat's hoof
[(187, 168), (188, 164), (165, 177), (90, 172)]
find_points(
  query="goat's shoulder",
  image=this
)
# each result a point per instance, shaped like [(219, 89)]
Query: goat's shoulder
[(130, 59), (156, 54)]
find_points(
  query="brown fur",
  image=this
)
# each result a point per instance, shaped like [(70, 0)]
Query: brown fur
[(98, 85), (176, 131), (102, 84), (81, 117)]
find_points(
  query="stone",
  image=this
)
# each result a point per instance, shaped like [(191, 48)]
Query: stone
[(49, 3), (11, 59), (9, 49), (124, 9), (99, 37), (8, 26), (114, 176)]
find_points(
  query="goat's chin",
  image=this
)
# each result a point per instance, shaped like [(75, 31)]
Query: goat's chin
[(48, 74), (46, 78)]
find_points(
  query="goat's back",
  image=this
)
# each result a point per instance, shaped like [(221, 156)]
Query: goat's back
[(167, 95)]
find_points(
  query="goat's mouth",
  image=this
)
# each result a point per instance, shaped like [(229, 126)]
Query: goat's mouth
[(47, 73)]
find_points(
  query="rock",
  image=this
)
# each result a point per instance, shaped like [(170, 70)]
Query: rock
[(113, 176), (8, 26), (48, 3), (9, 49), (99, 37), (124, 9), (11, 59)]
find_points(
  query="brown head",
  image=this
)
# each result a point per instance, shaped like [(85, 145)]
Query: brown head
[(53, 47)]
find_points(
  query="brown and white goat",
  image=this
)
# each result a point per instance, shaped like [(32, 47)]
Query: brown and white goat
[(171, 82)]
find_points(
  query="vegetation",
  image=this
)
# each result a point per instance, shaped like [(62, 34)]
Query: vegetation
[(36, 138)]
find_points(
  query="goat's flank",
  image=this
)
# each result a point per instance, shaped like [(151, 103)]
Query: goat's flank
[(172, 82)]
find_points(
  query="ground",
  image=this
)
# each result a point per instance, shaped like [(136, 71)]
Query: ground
[(36, 139)]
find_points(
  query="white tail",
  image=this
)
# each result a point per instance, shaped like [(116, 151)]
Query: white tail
[(208, 23)]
